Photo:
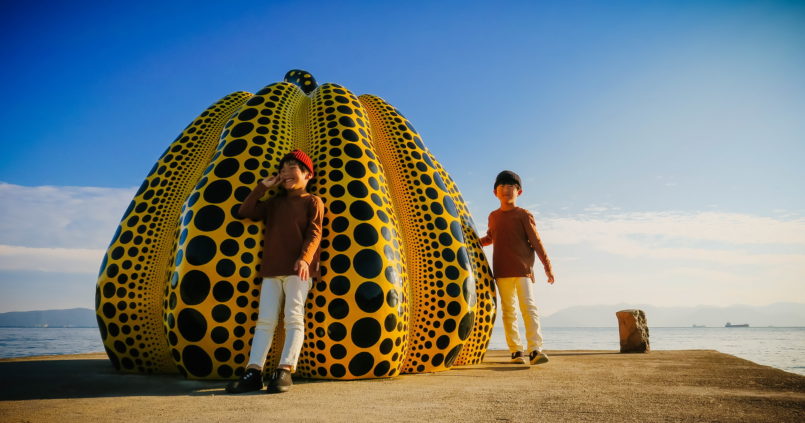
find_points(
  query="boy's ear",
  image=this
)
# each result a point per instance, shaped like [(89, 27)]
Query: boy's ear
[(520, 192)]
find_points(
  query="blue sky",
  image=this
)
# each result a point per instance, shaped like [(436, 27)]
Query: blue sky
[(660, 142)]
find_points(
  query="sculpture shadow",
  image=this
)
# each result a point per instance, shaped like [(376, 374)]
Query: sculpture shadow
[(96, 378), (495, 366), (581, 353), (90, 378)]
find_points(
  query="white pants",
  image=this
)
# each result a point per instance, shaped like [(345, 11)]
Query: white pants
[(522, 289), (276, 291)]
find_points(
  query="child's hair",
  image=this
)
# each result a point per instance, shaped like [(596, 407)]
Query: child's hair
[(507, 177)]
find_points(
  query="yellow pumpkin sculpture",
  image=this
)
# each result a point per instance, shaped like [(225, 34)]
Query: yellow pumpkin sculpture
[(404, 285)]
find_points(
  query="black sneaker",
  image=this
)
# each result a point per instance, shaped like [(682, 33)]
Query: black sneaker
[(251, 380), (537, 357), (518, 358), (280, 381)]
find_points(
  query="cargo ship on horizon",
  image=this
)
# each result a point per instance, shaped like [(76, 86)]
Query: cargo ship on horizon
[(742, 325)]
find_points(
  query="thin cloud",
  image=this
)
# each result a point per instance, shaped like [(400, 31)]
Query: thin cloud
[(670, 258), (730, 228), (60, 217), (58, 229), (59, 260), (724, 238), (65, 229)]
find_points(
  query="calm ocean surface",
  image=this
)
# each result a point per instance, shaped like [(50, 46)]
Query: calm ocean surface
[(783, 348)]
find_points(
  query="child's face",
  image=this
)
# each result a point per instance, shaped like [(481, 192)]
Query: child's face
[(507, 193), (294, 176)]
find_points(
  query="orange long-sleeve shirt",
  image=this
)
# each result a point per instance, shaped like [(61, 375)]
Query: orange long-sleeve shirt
[(515, 238), (293, 230)]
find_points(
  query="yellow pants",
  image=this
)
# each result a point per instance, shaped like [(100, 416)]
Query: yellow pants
[(520, 288)]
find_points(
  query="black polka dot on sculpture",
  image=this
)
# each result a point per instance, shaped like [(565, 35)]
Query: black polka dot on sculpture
[(365, 235), (223, 291), (196, 361), (192, 325), (218, 191), (338, 308), (200, 250), (194, 287), (336, 331), (339, 285), (221, 313), (369, 297), (366, 332), (368, 263), (361, 364), (219, 335), (242, 129), (209, 218), (337, 370)]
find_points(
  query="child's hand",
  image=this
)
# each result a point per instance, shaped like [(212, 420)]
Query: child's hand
[(302, 270), (549, 273), (271, 181)]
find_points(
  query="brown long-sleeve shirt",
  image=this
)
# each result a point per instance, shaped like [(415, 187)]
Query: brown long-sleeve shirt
[(293, 230), (514, 234)]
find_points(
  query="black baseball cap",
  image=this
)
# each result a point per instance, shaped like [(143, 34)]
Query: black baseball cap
[(507, 177)]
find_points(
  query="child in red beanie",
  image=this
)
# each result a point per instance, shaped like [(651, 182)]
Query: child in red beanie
[(293, 222), (514, 233)]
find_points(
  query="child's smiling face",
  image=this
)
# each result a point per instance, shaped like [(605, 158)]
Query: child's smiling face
[(507, 193), (294, 176)]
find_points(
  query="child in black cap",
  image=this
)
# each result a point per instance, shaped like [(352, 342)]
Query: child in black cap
[(514, 233)]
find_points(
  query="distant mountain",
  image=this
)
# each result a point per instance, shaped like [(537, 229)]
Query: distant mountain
[(74, 317), (778, 314)]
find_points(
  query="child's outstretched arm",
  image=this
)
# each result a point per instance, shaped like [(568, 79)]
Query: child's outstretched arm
[(252, 207), (487, 239), (312, 239), (530, 227)]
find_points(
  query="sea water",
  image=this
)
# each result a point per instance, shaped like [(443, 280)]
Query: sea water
[(24, 342), (783, 348)]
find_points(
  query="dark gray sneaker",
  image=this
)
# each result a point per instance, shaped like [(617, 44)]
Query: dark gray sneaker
[(251, 380), (280, 381), (537, 357), (518, 358)]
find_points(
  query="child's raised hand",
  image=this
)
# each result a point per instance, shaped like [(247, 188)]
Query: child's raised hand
[(302, 270), (271, 181)]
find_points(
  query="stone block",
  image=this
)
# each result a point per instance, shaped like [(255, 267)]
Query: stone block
[(633, 331)]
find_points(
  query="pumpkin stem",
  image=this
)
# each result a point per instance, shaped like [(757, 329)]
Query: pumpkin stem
[(301, 78)]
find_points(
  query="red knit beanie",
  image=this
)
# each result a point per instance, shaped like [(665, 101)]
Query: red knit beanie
[(299, 156)]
